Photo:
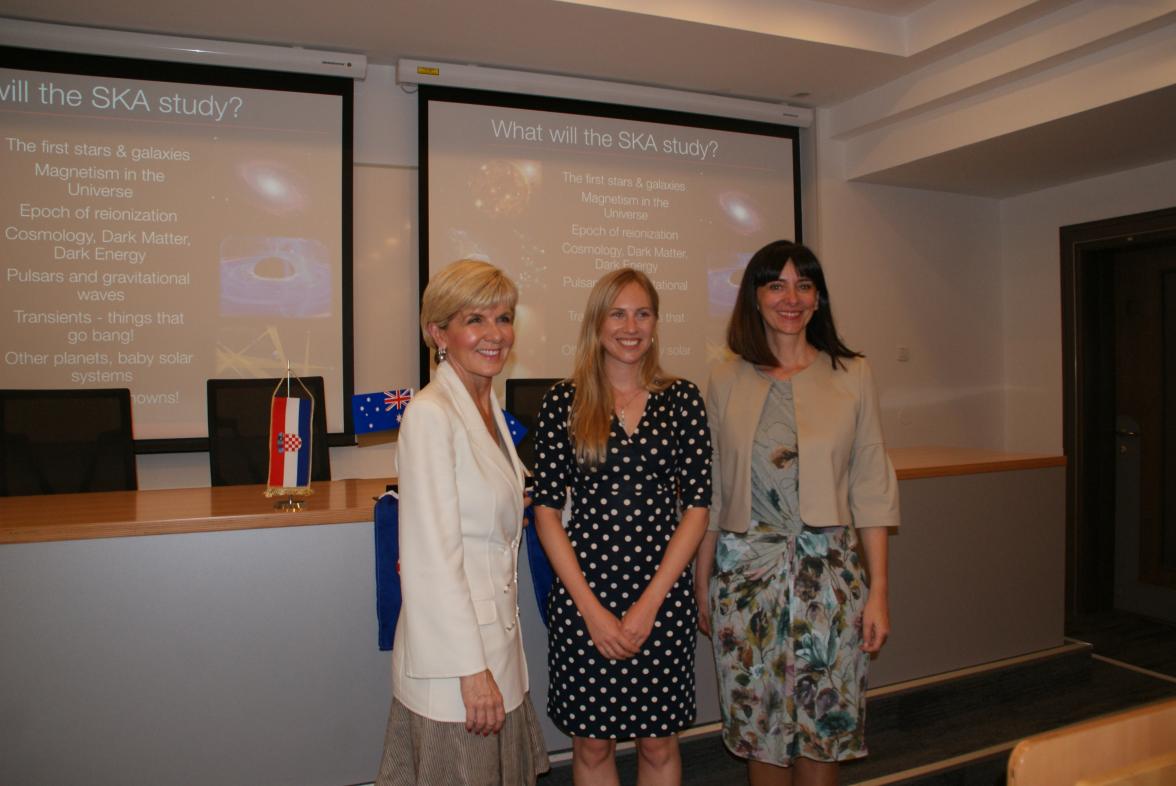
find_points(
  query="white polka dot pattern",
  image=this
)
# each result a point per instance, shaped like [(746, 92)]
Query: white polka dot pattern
[(623, 515)]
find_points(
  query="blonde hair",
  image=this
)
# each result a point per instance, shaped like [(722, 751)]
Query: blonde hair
[(467, 284), (591, 414)]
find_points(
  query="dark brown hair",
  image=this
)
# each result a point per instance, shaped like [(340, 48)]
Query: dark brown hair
[(746, 336)]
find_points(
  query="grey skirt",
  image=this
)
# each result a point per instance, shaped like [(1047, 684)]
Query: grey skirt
[(423, 752)]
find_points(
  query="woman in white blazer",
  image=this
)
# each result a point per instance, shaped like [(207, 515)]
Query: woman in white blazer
[(461, 712), (801, 475)]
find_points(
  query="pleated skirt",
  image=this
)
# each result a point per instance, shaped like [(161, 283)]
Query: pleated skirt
[(423, 752)]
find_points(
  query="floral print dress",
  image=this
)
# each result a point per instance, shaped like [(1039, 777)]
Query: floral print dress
[(787, 604)]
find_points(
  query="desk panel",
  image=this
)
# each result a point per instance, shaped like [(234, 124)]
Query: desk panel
[(241, 648)]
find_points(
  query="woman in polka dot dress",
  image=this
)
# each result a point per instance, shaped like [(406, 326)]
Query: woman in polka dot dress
[(632, 445)]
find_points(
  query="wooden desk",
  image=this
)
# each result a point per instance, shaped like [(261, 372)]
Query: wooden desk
[(241, 648), (192, 636), (977, 569), (940, 462), (118, 514)]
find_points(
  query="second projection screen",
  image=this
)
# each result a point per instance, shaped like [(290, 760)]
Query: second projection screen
[(559, 198)]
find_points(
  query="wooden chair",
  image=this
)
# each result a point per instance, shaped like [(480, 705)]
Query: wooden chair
[(1092, 750), (1157, 771)]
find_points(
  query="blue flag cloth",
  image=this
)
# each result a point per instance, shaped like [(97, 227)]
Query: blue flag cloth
[(517, 430), (379, 411), (387, 519), (542, 576), (387, 533)]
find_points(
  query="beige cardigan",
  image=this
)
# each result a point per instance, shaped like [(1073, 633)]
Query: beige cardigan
[(845, 475)]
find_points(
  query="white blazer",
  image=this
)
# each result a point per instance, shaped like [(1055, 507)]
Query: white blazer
[(461, 515)]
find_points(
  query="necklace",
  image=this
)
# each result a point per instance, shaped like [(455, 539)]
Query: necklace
[(621, 411)]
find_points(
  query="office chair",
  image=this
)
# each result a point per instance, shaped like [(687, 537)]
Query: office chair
[(66, 441), (523, 399), (238, 429)]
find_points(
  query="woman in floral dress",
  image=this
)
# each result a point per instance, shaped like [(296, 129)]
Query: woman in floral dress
[(801, 474)]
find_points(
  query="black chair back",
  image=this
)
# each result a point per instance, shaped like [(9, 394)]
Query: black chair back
[(238, 429), (66, 441), (523, 399)]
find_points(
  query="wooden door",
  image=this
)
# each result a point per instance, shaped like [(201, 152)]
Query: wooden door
[(1145, 411)]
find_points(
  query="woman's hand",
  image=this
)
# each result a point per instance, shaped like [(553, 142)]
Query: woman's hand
[(485, 712), (876, 616), (704, 566), (702, 598), (637, 622), (608, 635), (875, 623), (603, 626)]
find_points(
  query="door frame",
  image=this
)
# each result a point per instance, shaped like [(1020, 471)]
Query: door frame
[(1087, 252)]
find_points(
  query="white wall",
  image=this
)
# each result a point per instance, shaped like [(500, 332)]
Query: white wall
[(1031, 273), (917, 269)]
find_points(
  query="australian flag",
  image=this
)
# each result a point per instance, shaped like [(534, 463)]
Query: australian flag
[(517, 429), (380, 411)]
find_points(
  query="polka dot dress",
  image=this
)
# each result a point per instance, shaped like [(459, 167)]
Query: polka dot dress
[(623, 515)]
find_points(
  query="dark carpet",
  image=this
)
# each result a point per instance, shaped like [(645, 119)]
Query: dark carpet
[(1130, 638), (923, 726)]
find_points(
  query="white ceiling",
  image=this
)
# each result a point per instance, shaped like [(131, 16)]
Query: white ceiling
[(809, 52), (893, 7), (570, 37), (1123, 135)]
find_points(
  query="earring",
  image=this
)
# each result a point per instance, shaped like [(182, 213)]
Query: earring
[(442, 353)]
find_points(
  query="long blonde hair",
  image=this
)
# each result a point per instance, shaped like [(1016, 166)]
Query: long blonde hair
[(591, 415)]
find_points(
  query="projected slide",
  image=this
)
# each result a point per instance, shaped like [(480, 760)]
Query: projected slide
[(560, 199), (157, 234)]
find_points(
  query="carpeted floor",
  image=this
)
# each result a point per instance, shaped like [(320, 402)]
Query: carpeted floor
[(1130, 638), (915, 735)]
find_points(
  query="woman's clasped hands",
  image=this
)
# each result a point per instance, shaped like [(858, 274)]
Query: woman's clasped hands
[(620, 639)]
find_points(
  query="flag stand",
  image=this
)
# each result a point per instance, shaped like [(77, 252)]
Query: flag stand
[(287, 447)]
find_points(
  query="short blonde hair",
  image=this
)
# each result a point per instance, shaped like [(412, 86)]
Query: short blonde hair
[(467, 284)]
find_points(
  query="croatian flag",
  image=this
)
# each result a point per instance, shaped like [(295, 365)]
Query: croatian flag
[(290, 442)]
